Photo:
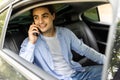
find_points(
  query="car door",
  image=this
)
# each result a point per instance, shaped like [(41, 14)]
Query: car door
[(113, 60), (23, 69), (6, 70), (12, 67)]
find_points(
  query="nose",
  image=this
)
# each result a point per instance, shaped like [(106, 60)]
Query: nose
[(41, 20)]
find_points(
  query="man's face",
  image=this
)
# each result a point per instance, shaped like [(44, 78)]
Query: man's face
[(43, 18)]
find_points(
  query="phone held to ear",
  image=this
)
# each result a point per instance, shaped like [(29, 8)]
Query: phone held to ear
[(36, 34)]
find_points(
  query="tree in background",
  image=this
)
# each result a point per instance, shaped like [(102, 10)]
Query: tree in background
[(115, 57)]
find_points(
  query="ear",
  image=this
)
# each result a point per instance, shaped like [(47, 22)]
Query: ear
[(53, 16)]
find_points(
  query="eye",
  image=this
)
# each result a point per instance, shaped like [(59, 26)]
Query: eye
[(45, 16), (35, 17)]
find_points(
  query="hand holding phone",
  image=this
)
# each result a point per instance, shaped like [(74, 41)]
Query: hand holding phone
[(33, 33), (36, 34)]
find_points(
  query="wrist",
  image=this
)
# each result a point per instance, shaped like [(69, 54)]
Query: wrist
[(32, 42)]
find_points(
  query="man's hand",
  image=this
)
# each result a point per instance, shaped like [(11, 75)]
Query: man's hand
[(31, 33)]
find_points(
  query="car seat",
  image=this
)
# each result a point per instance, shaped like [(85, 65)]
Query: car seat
[(14, 37), (82, 31)]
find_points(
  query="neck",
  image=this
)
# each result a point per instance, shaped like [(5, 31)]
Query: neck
[(50, 33)]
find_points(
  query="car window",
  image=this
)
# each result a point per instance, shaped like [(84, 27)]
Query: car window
[(105, 13), (18, 25), (101, 13), (7, 72), (92, 14), (2, 20)]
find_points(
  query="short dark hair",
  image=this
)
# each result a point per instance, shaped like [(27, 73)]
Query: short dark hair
[(49, 7)]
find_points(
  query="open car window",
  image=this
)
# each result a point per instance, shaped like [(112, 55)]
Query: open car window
[(100, 13), (68, 14), (6, 70)]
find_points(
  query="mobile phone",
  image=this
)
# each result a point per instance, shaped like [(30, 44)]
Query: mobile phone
[(36, 34)]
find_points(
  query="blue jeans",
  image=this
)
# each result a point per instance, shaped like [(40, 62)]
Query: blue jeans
[(91, 73)]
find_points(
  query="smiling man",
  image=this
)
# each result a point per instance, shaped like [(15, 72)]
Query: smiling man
[(51, 48)]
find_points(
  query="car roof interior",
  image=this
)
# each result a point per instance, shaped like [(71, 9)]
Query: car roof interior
[(68, 15)]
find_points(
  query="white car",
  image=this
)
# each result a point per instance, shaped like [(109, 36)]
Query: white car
[(90, 20)]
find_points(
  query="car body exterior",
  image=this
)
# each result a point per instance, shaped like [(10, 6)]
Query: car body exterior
[(15, 15), (113, 53)]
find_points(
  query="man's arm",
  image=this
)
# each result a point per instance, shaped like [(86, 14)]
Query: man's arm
[(93, 54), (78, 46), (28, 45), (27, 51)]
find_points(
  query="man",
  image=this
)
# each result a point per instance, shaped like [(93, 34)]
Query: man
[(49, 47)]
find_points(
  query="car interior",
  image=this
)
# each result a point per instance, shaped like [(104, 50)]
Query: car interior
[(67, 15)]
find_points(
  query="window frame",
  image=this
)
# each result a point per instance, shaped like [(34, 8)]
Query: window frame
[(24, 65), (29, 70), (99, 14)]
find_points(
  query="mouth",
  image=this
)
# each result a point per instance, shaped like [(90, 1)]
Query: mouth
[(42, 27)]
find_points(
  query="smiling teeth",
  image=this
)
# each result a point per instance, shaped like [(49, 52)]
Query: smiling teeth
[(42, 25)]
